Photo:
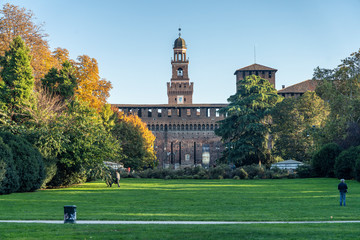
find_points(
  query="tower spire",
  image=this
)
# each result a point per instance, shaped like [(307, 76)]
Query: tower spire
[(179, 32)]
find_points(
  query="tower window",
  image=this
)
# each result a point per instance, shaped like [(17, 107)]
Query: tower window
[(180, 72), (269, 74)]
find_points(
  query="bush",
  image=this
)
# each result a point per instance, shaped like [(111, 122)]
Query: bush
[(254, 171), (304, 171), (357, 169), (241, 173), (324, 160), (9, 179), (345, 163), (28, 162)]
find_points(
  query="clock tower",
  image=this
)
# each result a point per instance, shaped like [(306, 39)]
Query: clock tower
[(180, 89)]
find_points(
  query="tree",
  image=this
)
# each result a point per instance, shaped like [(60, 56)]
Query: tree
[(61, 82), (27, 160), (16, 21), (90, 87), (296, 124), (9, 181), (323, 161), (18, 82), (245, 130), (86, 145), (345, 163), (137, 141), (340, 87)]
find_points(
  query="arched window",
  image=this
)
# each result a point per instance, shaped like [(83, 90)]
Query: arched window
[(180, 72)]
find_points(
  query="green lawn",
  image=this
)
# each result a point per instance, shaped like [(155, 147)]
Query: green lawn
[(187, 200)]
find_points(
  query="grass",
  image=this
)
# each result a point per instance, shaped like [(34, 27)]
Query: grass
[(187, 200), (179, 232)]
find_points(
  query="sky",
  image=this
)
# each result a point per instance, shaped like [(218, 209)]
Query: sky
[(132, 40)]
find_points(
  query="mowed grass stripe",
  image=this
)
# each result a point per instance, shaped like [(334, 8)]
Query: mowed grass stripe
[(190, 200)]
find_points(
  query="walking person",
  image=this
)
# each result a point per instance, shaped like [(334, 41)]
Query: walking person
[(342, 187), (118, 178)]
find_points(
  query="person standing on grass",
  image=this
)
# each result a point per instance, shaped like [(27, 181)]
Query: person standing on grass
[(118, 178), (343, 190)]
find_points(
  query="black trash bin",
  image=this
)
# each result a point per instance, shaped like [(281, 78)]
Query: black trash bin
[(70, 214)]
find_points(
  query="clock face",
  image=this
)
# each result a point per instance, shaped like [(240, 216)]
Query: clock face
[(180, 99)]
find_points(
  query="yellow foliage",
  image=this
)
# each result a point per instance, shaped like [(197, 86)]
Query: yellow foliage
[(17, 21), (91, 88)]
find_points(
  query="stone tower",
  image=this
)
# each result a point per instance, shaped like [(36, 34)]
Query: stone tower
[(180, 89)]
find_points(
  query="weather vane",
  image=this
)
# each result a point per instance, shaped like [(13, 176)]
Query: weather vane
[(179, 32)]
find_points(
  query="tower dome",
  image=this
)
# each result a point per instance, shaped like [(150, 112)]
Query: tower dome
[(179, 43)]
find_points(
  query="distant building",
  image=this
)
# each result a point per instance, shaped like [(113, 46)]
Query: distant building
[(258, 70), (298, 89), (288, 164)]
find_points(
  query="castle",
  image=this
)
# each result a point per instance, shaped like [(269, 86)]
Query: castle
[(184, 131)]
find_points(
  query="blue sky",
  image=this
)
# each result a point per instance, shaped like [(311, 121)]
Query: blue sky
[(132, 40)]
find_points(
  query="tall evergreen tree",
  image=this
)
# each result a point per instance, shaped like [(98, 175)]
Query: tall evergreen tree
[(62, 82), (245, 130), (18, 82)]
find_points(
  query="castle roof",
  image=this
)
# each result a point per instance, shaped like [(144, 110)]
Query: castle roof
[(179, 43), (301, 87), (255, 67)]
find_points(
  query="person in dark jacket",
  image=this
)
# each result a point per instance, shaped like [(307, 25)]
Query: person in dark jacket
[(343, 190)]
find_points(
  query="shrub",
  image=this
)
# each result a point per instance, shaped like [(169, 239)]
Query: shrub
[(357, 169), (241, 173), (9, 181), (345, 163), (304, 171), (324, 160), (28, 162), (254, 170)]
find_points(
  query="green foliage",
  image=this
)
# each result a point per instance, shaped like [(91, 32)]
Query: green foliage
[(341, 88), (62, 82), (246, 128), (27, 160), (357, 169), (305, 171), (345, 163), (86, 145), (18, 82), (9, 179), (323, 161), (296, 124)]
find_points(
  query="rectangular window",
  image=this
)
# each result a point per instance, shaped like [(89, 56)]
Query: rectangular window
[(159, 112), (169, 112), (188, 112), (217, 113), (149, 112), (198, 112), (208, 112)]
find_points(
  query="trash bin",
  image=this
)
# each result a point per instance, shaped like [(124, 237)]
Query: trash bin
[(70, 214)]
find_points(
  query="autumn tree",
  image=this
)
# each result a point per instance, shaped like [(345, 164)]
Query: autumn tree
[(136, 140), (245, 130), (16, 21), (16, 90), (90, 87)]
